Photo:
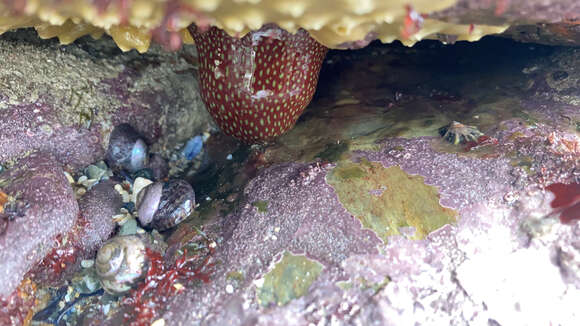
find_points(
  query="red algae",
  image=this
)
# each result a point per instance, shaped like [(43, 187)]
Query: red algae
[(17, 308), (481, 141), (65, 253), (567, 200), (162, 283)]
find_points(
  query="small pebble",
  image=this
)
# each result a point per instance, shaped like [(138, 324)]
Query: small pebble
[(69, 177), (229, 289), (91, 283), (193, 147), (89, 183), (159, 322), (122, 218), (81, 191), (129, 227), (87, 263), (95, 172), (178, 286), (229, 157), (119, 188), (82, 179)]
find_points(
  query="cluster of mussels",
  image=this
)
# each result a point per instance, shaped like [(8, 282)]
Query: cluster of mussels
[(122, 262)]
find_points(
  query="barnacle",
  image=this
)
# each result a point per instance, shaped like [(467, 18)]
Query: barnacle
[(458, 133)]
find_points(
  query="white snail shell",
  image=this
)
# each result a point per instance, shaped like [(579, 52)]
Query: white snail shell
[(121, 263)]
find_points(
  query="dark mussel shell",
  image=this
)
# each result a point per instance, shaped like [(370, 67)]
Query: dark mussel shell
[(163, 205), (127, 150)]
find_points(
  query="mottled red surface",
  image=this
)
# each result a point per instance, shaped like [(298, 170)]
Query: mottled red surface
[(256, 87), (150, 298)]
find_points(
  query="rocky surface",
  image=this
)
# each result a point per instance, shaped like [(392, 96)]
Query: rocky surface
[(314, 226), (66, 99), (96, 207), (38, 181), (360, 215)]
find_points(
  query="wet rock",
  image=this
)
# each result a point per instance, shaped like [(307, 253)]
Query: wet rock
[(97, 207), (496, 189), (558, 81), (300, 214), (51, 210), (94, 226), (66, 99)]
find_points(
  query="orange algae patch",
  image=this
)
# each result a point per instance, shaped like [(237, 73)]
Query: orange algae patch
[(3, 200), (386, 199), (19, 306)]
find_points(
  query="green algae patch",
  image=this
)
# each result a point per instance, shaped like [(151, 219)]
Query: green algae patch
[(333, 151), (290, 279), (261, 205), (386, 199)]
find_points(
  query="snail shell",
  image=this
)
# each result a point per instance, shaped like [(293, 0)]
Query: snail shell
[(163, 205), (121, 263), (127, 150)]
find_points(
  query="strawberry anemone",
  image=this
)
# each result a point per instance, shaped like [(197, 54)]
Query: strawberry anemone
[(256, 87)]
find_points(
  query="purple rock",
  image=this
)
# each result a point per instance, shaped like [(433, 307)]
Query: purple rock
[(462, 181), (29, 127), (39, 181), (303, 215), (94, 227), (97, 207)]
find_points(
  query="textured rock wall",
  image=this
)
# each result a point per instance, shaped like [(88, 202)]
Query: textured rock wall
[(66, 99)]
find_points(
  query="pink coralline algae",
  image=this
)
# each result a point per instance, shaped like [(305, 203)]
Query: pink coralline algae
[(52, 210), (300, 205)]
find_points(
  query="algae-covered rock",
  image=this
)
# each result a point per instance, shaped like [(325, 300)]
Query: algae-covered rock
[(66, 99), (289, 279), (387, 199)]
